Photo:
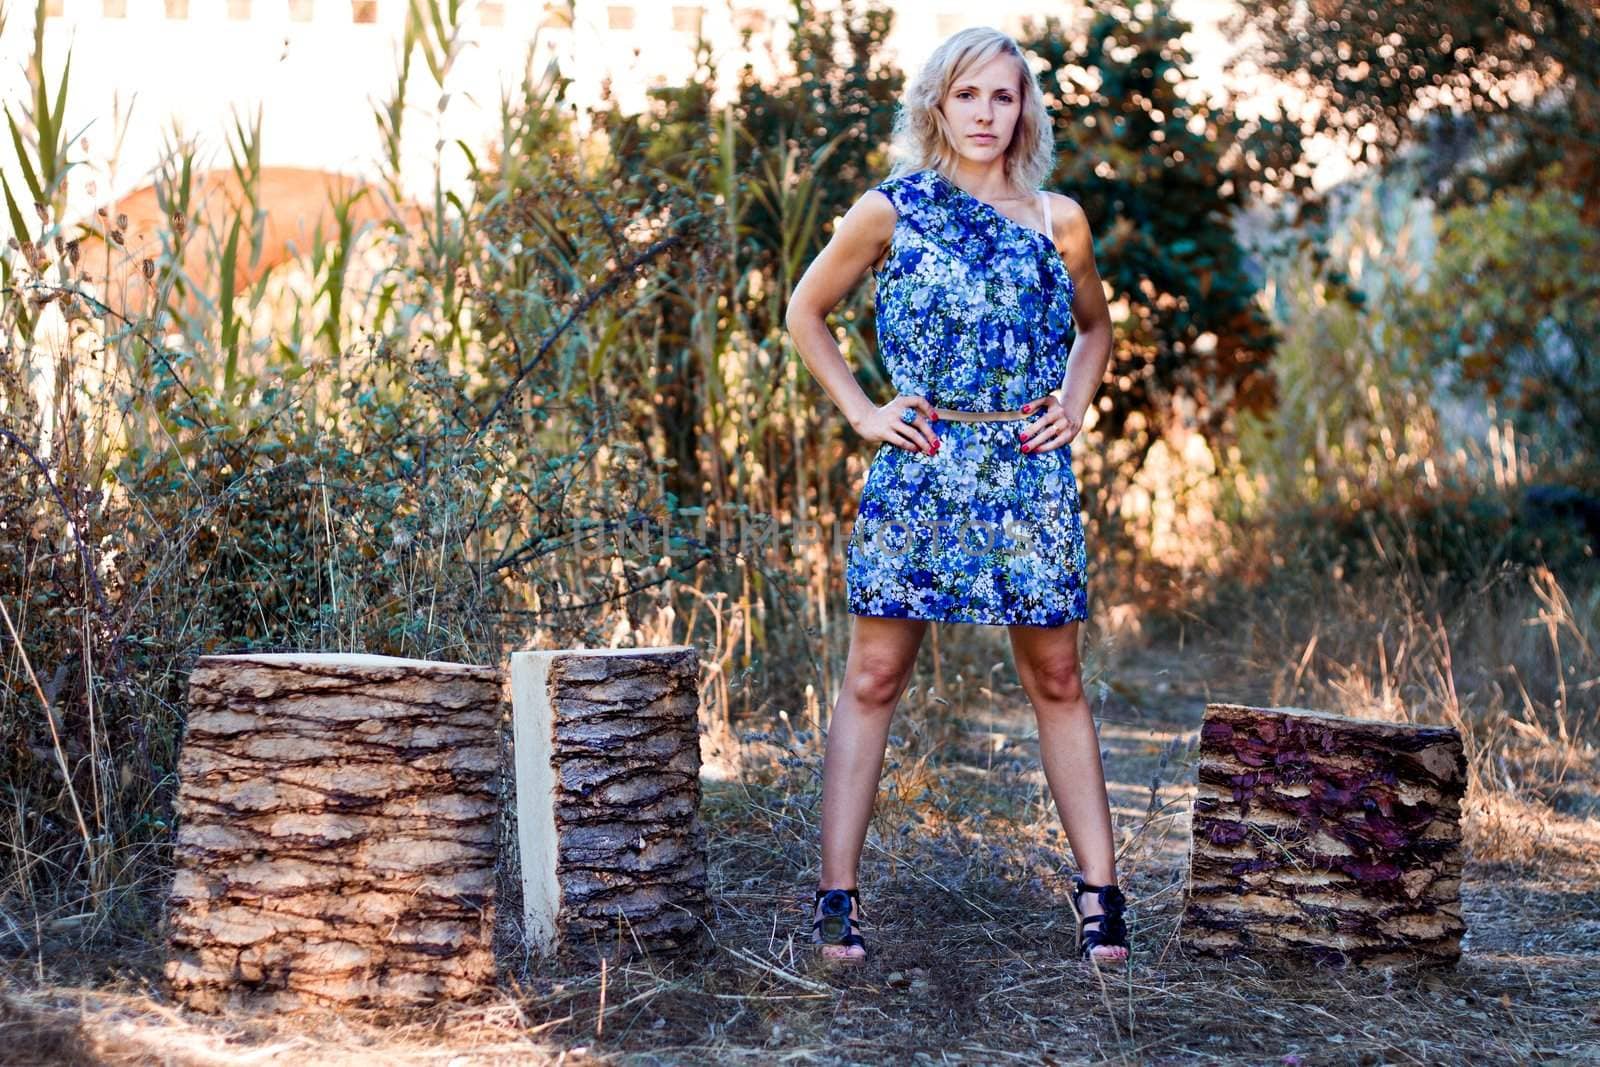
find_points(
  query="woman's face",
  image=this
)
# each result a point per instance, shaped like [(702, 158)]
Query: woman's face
[(982, 106)]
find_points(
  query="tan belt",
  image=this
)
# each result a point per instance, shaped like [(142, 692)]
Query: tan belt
[(978, 416)]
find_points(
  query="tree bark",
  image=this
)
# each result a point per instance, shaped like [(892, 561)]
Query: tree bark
[(611, 844), (1326, 838), (336, 833)]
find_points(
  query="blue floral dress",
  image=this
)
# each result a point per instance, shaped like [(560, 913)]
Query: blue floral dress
[(974, 312)]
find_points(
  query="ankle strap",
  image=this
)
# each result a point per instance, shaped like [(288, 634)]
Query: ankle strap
[(1080, 886), (855, 898), (1110, 896)]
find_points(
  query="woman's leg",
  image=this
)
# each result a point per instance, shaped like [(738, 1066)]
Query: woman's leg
[(1047, 664), (877, 669)]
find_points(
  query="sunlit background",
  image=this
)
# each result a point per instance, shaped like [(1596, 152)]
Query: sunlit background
[(442, 329), (159, 76), (163, 71)]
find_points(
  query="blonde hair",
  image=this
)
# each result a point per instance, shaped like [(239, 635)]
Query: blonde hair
[(921, 136)]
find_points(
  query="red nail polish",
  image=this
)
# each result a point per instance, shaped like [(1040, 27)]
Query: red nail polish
[(1026, 448), (1026, 408), (1023, 436)]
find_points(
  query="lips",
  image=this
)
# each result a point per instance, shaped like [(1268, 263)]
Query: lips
[(983, 137)]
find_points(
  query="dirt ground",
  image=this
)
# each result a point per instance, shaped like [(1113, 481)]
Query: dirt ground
[(965, 879)]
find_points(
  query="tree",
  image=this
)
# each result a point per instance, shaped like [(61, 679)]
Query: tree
[(1160, 177), (1521, 79), (1526, 337), (776, 167)]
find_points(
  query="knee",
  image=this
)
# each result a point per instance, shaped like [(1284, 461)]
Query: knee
[(1060, 685), (876, 686)]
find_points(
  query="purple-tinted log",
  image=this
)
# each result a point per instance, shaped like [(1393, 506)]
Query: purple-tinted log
[(1326, 838)]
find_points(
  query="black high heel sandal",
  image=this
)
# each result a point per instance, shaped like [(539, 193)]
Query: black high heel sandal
[(1111, 931), (834, 926)]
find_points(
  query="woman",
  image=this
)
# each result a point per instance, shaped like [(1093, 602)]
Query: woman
[(970, 508)]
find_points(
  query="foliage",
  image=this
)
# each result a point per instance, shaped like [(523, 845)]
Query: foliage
[(839, 100), (1525, 333), (1456, 535), (369, 467), (776, 167), (1161, 176), (832, 110), (1355, 412), (1379, 75)]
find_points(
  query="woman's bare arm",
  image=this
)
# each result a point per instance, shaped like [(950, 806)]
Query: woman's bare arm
[(858, 242), (1091, 351)]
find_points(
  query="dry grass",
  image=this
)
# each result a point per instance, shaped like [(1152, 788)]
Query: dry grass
[(965, 877)]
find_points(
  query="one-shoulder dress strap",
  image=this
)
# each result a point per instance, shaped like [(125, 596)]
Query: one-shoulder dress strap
[(894, 189)]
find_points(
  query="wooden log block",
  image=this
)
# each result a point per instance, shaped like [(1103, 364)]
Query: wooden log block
[(336, 833), (1326, 838), (607, 753)]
